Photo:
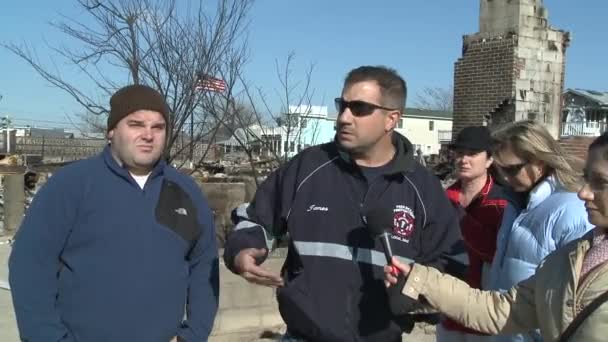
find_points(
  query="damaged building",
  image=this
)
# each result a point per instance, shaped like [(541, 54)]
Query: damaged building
[(512, 69)]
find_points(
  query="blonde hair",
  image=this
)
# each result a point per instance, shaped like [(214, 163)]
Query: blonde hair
[(531, 141)]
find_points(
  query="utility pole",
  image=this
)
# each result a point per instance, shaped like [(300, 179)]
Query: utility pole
[(192, 140), (8, 135), (6, 121)]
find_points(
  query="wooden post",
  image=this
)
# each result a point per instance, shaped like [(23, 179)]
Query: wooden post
[(14, 202)]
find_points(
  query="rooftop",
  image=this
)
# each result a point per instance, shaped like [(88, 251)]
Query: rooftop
[(601, 97), (425, 113)]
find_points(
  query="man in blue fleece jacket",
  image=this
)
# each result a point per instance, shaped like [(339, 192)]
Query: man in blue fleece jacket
[(118, 247)]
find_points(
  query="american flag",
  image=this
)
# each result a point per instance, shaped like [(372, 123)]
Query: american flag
[(210, 83)]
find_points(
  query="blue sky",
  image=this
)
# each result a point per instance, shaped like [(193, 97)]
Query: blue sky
[(421, 39)]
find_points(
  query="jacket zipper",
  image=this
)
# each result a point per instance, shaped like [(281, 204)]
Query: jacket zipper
[(369, 187)]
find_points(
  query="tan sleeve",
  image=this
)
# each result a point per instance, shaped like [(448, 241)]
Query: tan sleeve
[(491, 312)]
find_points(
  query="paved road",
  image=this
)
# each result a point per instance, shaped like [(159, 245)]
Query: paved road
[(416, 336)]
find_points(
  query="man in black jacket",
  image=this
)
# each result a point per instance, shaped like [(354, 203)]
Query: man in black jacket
[(331, 285)]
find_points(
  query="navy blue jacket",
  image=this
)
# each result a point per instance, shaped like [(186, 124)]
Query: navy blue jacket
[(333, 274), (99, 259)]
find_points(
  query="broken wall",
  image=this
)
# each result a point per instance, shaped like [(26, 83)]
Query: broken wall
[(512, 69)]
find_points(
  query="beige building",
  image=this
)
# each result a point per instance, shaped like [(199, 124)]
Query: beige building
[(426, 129)]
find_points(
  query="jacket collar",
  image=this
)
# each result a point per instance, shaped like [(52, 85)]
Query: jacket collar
[(577, 255), (403, 160), (454, 190), (541, 191), (120, 170)]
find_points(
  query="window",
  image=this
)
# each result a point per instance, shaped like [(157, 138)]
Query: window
[(431, 125), (292, 146)]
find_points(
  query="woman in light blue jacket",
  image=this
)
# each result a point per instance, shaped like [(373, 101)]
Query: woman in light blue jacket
[(549, 214)]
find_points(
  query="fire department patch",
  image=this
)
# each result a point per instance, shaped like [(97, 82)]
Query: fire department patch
[(403, 223)]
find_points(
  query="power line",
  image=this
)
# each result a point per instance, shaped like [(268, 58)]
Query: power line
[(38, 120)]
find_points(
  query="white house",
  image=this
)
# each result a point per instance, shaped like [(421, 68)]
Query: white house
[(426, 129), (584, 113), (303, 126), (307, 125)]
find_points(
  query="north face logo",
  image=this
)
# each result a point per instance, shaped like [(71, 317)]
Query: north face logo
[(182, 211)]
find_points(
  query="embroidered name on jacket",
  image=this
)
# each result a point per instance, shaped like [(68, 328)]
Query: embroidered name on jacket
[(314, 207), (404, 222)]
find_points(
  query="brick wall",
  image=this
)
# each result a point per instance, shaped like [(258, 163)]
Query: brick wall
[(576, 148), (484, 80)]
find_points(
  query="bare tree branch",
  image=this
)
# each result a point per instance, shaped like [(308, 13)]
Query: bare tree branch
[(256, 128), (151, 42), (435, 99)]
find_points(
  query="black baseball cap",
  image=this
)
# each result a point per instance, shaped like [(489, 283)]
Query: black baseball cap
[(475, 138)]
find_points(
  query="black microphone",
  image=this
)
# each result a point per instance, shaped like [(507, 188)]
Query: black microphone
[(379, 221)]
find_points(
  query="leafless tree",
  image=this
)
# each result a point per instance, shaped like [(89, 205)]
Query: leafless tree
[(245, 115), (162, 43), (295, 96), (435, 98), (89, 123)]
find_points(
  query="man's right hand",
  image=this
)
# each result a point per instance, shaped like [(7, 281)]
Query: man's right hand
[(245, 265)]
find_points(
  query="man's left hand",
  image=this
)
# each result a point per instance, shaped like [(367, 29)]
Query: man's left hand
[(174, 339)]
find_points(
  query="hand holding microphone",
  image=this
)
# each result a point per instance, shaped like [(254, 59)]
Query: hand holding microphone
[(403, 269)]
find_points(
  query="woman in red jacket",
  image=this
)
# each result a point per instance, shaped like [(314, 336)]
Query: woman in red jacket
[(480, 202)]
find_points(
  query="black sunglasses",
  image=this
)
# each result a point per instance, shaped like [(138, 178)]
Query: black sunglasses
[(358, 108), (511, 170)]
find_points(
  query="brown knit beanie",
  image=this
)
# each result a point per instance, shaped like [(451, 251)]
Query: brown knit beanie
[(136, 97)]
